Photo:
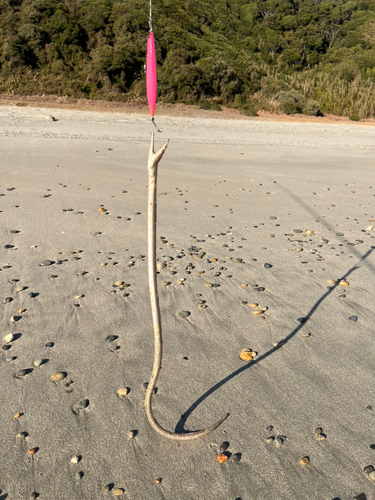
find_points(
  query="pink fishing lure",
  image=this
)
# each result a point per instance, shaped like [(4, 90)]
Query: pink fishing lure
[(151, 82)]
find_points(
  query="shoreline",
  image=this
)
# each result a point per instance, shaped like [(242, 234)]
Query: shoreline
[(170, 110)]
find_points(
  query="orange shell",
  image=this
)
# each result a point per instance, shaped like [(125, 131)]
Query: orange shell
[(222, 458)]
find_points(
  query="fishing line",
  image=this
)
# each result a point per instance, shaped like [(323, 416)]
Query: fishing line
[(150, 18)]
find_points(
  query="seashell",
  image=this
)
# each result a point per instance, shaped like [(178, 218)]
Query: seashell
[(222, 458)]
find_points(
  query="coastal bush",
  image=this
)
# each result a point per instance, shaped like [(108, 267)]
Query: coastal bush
[(206, 51), (291, 102), (312, 108)]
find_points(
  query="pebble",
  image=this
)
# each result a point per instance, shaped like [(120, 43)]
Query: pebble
[(236, 457), (222, 458), (21, 435), (49, 344), (82, 404), (320, 437), (368, 469), (107, 488), (111, 338), (267, 266), (79, 475), (343, 283), (74, 459), (318, 431), (208, 285), (118, 492), (243, 303), (253, 304), (371, 476), (20, 289), (353, 318), (40, 362), (9, 337), (279, 343), (224, 446), (247, 355), (123, 391), (132, 434), (301, 320), (33, 495), (160, 266), (269, 428), (46, 263), (278, 442), (7, 300), (158, 480), (270, 439), (58, 376), (23, 373), (183, 314)]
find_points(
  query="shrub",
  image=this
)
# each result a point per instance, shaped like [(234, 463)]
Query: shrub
[(209, 105), (312, 108), (291, 102)]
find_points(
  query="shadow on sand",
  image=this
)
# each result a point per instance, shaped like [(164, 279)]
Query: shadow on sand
[(181, 423)]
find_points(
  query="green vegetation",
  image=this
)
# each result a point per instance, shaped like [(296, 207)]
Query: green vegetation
[(291, 56)]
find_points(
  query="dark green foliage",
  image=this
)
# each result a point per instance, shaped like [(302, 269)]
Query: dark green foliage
[(291, 102), (281, 55), (312, 108)]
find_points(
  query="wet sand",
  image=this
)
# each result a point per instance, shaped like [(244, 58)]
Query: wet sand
[(232, 197)]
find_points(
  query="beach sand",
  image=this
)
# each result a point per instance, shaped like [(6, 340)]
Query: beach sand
[(232, 197)]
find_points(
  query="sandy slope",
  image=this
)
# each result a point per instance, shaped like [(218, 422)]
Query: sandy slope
[(233, 191)]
